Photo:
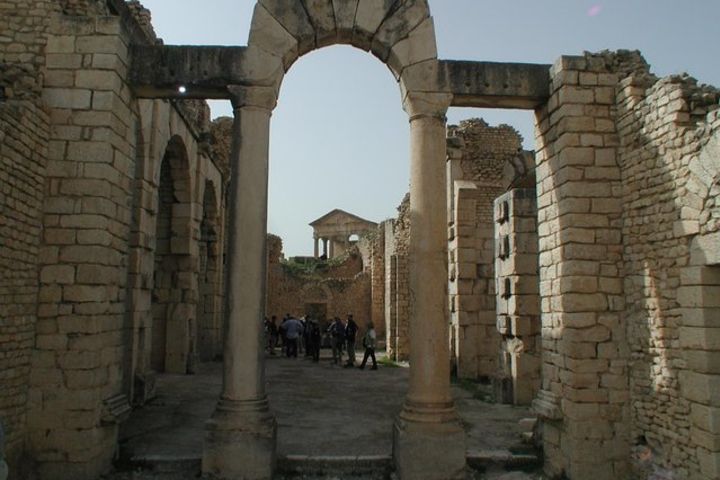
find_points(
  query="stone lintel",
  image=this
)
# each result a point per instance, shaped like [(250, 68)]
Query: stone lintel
[(494, 85), (205, 71)]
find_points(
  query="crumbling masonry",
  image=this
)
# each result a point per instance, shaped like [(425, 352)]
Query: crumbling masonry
[(117, 198)]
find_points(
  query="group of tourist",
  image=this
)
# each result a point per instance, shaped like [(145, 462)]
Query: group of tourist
[(297, 335)]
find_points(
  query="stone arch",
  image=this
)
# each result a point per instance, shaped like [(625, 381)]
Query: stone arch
[(209, 282), (399, 33), (173, 312)]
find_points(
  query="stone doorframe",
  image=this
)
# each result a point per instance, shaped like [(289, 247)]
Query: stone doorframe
[(429, 441)]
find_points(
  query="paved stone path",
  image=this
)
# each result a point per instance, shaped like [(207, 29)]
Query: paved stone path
[(321, 410)]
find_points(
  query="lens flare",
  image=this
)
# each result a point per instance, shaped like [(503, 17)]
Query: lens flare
[(595, 10)]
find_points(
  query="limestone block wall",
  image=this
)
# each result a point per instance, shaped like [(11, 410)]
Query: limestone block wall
[(671, 166), (24, 128), (377, 273), (73, 145), (389, 285), (397, 288), (518, 302), (79, 356), (478, 156), (585, 395)]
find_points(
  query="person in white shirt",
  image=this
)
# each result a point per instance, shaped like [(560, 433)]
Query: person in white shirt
[(369, 341)]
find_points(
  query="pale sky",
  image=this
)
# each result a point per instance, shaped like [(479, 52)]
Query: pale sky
[(339, 136)]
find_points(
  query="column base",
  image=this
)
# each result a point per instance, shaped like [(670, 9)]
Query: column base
[(240, 442), (429, 444)]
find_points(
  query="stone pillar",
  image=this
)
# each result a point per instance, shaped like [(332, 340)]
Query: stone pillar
[(240, 437), (331, 253), (317, 247), (325, 247), (428, 440)]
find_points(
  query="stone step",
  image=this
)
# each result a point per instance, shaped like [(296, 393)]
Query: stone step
[(304, 467), (370, 466), (505, 459)]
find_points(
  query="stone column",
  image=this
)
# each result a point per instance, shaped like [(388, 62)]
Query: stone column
[(240, 437), (317, 247), (428, 440), (331, 253), (325, 247)]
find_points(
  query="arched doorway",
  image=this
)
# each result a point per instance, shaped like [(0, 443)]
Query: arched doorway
[(428, 437), (173, 325), (210, 250)]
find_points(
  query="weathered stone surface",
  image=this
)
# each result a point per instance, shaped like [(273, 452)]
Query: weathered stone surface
[(345, 11), (322, 17), (270, 36), (158, 71), (370, 14), (402, 20), (291, 14), (419, 46)]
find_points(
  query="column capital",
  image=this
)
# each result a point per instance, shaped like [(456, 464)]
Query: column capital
[(427, 105), (259, 97)]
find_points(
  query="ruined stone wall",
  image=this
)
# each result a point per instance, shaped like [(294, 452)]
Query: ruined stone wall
[(377, 273), (24, 128), (669, 131), (478, 156), (584, 397), (75, 149), (337, 289), (518, 307), (79, 357), (398, 277)]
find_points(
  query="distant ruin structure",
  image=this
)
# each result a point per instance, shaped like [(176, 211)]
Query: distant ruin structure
[(338, 231), (583, 278), (318, 289)]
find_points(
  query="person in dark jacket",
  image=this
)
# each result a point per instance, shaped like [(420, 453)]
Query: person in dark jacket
[(351, 330), (337, 339), (314, 339)]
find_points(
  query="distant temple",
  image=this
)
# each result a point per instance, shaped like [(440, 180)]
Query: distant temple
[(338, 230)]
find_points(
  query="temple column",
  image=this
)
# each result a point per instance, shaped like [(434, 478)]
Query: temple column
[(317, 246), (325, 247), (331, 252), (240, 439), (428, 440)]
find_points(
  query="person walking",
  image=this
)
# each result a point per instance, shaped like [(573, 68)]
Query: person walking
[(301, 338), (306, 336), (337, 338), (369, 341), (271, 332), (282, 332), (293, 330), (314, 338), (351, 330)]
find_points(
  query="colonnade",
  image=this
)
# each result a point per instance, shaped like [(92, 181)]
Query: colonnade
[(428, 440), (330, 246)]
